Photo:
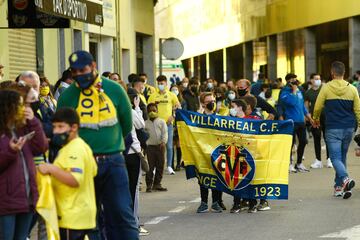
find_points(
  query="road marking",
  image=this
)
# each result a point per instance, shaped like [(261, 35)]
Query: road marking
[(196, 200), (156, 220), (182, 202), (349, 233), (178, 209)]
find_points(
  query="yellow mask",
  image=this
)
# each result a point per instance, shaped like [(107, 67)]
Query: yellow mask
[(44, 91)]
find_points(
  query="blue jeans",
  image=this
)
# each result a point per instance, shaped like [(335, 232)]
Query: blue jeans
[(338, 141), (114, 200), (170, 145), (15, 226)]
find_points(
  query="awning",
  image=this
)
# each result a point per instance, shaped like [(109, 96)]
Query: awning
[(80, 10), (52, 13)]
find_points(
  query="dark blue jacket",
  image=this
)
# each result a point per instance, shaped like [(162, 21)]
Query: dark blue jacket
[(293, 105)]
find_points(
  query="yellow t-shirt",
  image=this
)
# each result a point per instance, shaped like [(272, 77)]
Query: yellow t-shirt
[(166, 103), (76, 207)]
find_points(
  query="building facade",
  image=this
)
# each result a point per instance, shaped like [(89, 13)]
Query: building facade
[(240, 38), (123, 44)]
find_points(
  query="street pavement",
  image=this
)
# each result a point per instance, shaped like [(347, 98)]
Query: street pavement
[(310, 213)]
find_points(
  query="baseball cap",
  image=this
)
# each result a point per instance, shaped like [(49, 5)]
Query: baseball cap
[(80, 59)]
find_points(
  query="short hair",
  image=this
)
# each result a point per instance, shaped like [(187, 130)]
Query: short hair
[(106, 74), (240, 103), (132, 77), (66, 115), (30, 74), (151, 105), (313, 75), (204, 95), (251, 101), (264, 85), (194, 80), (338, 68), (112, 74), (248, 83), (161, 78), (143, 75)]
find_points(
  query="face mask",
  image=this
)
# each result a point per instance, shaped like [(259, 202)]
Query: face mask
[(44, 91), (194, 89), (153, 115), (231, 96), (161, 87), (60, 139), (35, 106), (242, 92), (210, 106), (20, 114), (176, 92), (185, 85), (317, 83), (233, 112), (85, 81), (210, 85)]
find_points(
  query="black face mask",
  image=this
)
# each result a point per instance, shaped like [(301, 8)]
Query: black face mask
[(35, 106), (242, 92), (86, 80), (60, 139), (194, 89), (210, 106)]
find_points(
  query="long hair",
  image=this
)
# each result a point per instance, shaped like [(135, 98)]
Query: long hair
[(9, 103)]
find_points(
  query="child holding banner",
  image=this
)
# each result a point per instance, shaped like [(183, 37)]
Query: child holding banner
[(207, 101), (251, 113), (73, 175)]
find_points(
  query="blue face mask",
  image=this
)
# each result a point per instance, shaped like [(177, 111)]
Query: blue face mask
[(161, 87), (85, 80)]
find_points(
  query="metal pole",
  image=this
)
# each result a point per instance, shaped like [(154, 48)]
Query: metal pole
[(160, 56)]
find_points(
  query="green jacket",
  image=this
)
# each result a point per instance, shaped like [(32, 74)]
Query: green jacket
[(107, 139)]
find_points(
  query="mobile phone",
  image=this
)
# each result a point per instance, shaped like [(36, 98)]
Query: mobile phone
[(29, 136)]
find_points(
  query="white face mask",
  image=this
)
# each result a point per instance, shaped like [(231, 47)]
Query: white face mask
[(317, 83), (161, 87), (210, 85), (233, 112), (176, 92), (231, 96)]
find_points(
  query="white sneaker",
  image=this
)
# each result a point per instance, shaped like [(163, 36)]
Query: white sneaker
[(317, 164), (329, 163), (292, 168), (170, 171), (301, 168)]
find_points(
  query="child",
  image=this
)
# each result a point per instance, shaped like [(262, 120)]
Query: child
[(156, 144), (252, 114), (73, 175)]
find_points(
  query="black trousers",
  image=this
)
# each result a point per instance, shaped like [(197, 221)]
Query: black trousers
[(300, 133), (133, 168), (156, 159), (316, 132), (204, 194), (70, 234)]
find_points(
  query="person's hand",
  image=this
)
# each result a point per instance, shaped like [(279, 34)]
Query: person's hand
[(29, 114), (162, 147), (293, 87), (137, 101), (44, 168), (357, 152), (170, 120), (315, 124), (271, 117), (17, 145)]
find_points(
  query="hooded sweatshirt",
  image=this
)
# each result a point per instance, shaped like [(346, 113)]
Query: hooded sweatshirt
[(293, 105), (341, 104)]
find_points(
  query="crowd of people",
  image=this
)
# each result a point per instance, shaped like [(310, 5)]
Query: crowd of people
[(96, 135)]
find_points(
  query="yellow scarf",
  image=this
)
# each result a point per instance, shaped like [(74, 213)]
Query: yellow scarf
[(95, 108)]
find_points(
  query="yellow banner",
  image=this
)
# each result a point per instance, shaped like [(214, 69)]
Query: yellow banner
[(243, 157)]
